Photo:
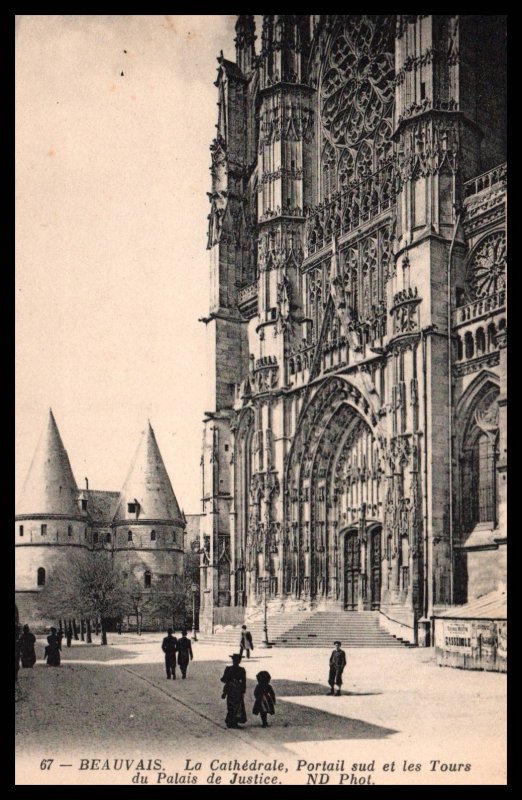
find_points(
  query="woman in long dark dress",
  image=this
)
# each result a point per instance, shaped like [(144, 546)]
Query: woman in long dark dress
[(264, 696), (234, 690), (52, 651), (27, 651)]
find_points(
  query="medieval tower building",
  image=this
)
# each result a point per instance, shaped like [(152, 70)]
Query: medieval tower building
[(142, 525), (354, 452)]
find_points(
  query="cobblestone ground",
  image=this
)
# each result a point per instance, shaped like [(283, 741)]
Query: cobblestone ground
[(397, 708)]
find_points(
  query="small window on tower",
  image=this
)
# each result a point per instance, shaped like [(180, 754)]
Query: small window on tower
[(85, 533), (83, 505), (226, 448), (423, 91), (174, 536), (148, 579), (153, 536), (108, 538), (69, 530), (43, 530), (21, 530), (129, 536), (40, 576), (131, 508), (95, 538)]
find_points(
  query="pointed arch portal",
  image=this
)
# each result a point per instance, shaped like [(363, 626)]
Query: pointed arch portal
[(335, 487)]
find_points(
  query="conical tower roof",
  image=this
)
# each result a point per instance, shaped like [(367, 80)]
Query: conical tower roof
[(50, 487), (148, 484)]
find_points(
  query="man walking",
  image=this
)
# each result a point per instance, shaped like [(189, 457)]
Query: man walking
[(337, 665), (246, 642), (169, 647), (184, 652)]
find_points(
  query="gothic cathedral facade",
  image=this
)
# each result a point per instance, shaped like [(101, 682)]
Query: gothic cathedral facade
[(354, 450)]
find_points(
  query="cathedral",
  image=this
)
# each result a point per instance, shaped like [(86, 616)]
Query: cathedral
[(142, 525), (354, 446)]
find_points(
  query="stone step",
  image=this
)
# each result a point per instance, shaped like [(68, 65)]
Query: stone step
[(313, 629)]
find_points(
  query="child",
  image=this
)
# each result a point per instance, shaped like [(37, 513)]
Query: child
[(265, 697)]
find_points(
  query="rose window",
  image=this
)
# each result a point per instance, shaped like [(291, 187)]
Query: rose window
[(487, 270), (357, 87)]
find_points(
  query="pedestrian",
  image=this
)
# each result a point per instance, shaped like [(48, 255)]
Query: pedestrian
[(245, 642), (52, 651), (264, 696), (27, 652), (69, 634), (337, 665), (234, 678), (60, 635), (169, 647), (184, 652)]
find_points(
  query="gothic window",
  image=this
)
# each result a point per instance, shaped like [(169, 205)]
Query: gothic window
[(480, 341), (129, 536), (487, 269), (153, 536), (69, 530), (108, 538), (468, 345), (147, 579), (479, 496), (484, 478), (492, 336), (40, 576), (21, 530), (43, 530), (356, 93)]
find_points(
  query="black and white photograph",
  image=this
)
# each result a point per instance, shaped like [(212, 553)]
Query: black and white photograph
[(261, 400)]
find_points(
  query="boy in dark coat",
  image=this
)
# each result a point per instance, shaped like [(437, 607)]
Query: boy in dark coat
[(337, 665)]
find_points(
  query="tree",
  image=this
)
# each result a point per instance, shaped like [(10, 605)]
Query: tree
[(89, 585)]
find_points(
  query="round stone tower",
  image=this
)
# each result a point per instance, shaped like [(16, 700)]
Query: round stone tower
[(148, 525), (49, 519)]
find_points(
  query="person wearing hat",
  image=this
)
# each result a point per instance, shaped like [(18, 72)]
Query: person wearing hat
[(264, 697), (169, 646), (234, 678), (337, 665), (52, 651)]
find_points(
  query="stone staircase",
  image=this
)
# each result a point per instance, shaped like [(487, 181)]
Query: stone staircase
[(278, 624), (352, 628), (312, 629)]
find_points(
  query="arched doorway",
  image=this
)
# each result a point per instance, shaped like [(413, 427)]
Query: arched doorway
[(351, 570)]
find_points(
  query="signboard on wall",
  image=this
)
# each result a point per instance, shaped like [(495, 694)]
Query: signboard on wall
[(458, 636)]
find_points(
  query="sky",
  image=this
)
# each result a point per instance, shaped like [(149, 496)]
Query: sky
[(112, 271)]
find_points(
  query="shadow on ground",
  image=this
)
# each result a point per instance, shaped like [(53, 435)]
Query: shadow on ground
[(291, 722), (286, 688)]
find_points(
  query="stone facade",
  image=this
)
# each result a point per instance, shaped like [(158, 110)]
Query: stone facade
[(354, 451), (142, 525)]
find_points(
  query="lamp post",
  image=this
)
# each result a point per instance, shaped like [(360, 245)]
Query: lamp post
[(265, 642), (194, 593)]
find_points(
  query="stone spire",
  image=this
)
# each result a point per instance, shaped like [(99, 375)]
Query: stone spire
[(148, 486), (50, 487)]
